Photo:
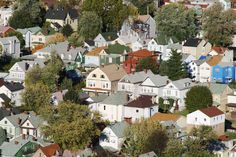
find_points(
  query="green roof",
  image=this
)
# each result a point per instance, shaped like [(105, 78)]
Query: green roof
[(117, 49), (109, 36)]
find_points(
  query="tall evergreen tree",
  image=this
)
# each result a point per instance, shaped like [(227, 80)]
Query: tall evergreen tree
[(147, 63)]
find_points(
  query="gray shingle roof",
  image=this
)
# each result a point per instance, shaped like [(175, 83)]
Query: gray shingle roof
[(183, 83), (31, 29), (13, 86), (61, 13), (119, 128), (99, 98), (27, 65), (14, 119), (198, 62), (216, 88), (5, 98), (119, 98), (159, 80), (137, 77), (6, 40)]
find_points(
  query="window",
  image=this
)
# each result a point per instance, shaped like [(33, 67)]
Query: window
[(122, 86), (40, 39), (27, 124), (204, 119), (137, 111), (195, 118), (106, 85), (102, 76), (5, 122), (104, 107), (94, 75)]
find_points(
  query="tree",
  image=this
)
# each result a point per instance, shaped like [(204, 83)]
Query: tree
[(75, 39), (73, 96), (232, 84), (113, 13), (36, 96), (66, 84), (144, 137), (57, 37), (90, 25), (19, 37), (147, 63), (176, 21), (145, 6), (72, 127), (67, 30), (219, 25), (174, 67), (198, 97), (28, 13), (174, 148)]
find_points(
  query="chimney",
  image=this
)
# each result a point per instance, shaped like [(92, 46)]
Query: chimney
[(23, 136), (19, 121), (145, 70), (167, 82), (127, 97), (128, 120), (68, 47), (26, 66), (16, 142)]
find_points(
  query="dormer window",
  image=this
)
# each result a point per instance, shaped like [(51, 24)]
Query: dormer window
[(94, 75), (102, 76)]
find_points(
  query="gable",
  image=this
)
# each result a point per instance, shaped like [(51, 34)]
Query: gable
[(2, 122), (27, 124), (148, 82), (99, 38), (97, 72), (197, 114), (170, 86), (16, 67)]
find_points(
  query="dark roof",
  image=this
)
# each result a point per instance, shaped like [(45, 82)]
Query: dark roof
[(56, 25), (192, 42), (109, 36), (61, 13), (4, 113), (231, 104), (90, 42), (13, 86), (212, 111), (143, 101), (5, 98)]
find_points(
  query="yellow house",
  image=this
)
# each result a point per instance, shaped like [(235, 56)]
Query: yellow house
[(59, 17)]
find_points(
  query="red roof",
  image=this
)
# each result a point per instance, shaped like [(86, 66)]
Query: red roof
[(141, 53), (219, 50), (130, 61), (212, 111), (50, 150), (143, 101)]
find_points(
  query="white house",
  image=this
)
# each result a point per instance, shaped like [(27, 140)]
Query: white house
[(231, 101), (18, 71), (142, 107), (5, 14), (177, 90), (112, 108), (27, 35), (135, 46), (130, 82), (194, 69), (104, 39), (10, 46), (210, 116), (4, 100), (104, 79), (112, 137), (92, 58), (13, 91), (12, 124)]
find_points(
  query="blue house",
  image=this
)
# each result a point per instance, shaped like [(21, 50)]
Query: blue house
[(224, 72)]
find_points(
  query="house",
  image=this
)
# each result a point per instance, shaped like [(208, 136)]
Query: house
[(48, 151), (194, 69), (11, 124), (196, 47), (59, 17), (89, 45), (57, 97), (3, 136), (5, 14), (130, 82), (211, 116), (41, 37), (4, 30), (153, 85), (4, 100), (95, 100), (231, 101), (224, 72), (67, 53), (179, 120), (31, 126), (228, 55), (104, 39), (219, 94), (187, 58), (92, 58), (4, 112), (177, 90), (205, 69), (112, 108), (145, 25), (142, 107), (112, 137), (10, 46), (134, 57), (17, 72), (27, 35), (13, 91), (104, 79), (21, 146)]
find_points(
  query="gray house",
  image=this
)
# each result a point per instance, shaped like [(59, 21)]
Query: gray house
[(10, 46)]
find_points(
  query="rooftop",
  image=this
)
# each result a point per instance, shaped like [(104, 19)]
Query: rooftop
[(113, 71), (165, 117), (141, 53), (142, 101), (192, 42), (212, 111)]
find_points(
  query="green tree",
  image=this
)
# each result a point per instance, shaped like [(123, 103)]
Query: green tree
[(67, 30), (75, 39), (19, 37), (176, 21), (174, 148), (232, 84), (147, 63), (73, 96), (219, 25), (72, 127), (144, 137), (90, 25), (36, 96), (20, 19), (198, 97), (113, 13), (174, 67), (145, 6), (66, 84)]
